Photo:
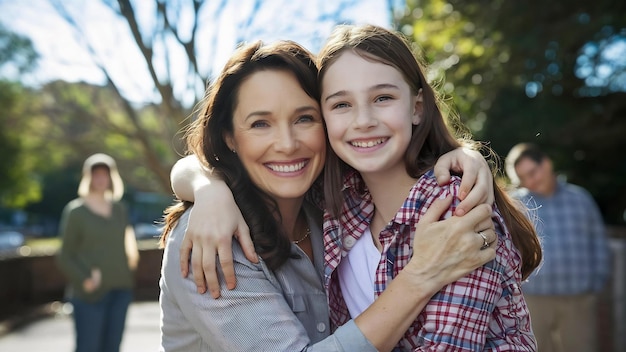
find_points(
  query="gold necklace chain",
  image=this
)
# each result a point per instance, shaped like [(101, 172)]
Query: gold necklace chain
[(308, 232)]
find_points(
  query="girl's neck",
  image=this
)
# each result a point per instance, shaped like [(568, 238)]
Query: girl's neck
[(389, 191)]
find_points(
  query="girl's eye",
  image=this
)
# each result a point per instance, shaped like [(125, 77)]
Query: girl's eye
[(259, 124), (340, 106), (383, 98)]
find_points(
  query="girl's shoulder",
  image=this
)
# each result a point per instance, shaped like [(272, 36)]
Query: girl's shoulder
[(428, 186)]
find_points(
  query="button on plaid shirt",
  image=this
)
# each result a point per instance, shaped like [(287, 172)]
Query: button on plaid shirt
[(484, 310)]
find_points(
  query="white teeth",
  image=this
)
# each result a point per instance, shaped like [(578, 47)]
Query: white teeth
[(287, 168), (368, 144)]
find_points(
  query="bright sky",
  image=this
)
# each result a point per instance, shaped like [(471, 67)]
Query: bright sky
[(63, 53)]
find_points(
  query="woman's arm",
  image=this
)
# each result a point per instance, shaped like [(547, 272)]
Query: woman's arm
[(216, 217)]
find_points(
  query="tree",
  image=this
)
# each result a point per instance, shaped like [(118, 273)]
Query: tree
[(176, 44), (536, 71), (17, 183)]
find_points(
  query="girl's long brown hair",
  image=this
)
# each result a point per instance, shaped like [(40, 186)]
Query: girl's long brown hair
[(206, 139), (430, 139)]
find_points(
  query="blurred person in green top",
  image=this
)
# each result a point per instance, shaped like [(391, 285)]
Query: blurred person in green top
[(98, 256)]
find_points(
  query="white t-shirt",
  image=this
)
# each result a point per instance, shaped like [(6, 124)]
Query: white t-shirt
[(357, 272)]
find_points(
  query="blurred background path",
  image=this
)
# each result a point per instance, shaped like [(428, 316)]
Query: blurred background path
[(54, 332)]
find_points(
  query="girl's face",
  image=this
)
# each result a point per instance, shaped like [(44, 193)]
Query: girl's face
[(278, 134), (369, 111)]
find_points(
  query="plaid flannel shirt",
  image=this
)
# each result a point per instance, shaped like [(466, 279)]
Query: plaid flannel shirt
[(484, 310)]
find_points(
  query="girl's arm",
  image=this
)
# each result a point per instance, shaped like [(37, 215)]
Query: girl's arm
[(214, 209), (216, 218)]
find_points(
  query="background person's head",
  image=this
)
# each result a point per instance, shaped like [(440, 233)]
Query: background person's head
[(529, 167), (100, 175)]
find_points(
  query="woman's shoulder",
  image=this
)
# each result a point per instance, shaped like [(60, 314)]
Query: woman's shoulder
[(177, 234), (120, 204), (75, 205)]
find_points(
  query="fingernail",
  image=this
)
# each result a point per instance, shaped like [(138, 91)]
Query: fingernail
[(459, 212), (462, 195)]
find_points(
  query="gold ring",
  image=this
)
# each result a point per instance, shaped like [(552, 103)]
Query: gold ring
[(486, 243)]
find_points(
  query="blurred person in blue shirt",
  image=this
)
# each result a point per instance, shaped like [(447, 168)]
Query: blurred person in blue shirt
[(562, 295)]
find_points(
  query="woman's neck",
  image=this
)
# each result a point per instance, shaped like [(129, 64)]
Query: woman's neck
[(98, 203), (289, 210)]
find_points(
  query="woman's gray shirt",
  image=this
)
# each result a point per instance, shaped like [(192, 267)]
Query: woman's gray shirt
[(281, 310)]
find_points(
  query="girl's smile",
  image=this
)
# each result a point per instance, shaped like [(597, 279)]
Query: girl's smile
[(369, 111)]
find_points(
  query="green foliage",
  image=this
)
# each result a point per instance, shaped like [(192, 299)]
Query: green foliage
[(515, 72), (18, 184), (16, 51)]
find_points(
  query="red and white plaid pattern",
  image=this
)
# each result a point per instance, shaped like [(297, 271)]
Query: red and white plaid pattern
[(485, 310)]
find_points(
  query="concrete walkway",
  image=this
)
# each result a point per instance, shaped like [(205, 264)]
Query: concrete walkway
[(55, 332)]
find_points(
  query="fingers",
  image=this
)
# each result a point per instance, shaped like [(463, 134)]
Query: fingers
[(198, 262), (476, 187), (185, 251), (476, 182), (208, 273), (486, 255), (243, 236), (479, 217), (442, 169), (225, 256), (223, 252), (437, 209), (468, 181)]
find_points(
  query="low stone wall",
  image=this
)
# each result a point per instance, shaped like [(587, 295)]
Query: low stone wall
[(29, 281)]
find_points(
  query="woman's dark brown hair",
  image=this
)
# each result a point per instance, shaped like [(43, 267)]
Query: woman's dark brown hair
[(430, 139), (206, 139)]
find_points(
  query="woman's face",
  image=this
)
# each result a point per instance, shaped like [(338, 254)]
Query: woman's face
[(278, 134), (100, 179), (370, 111)]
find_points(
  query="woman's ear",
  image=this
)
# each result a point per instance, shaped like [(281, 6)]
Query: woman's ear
[(418, 107), (230, 141)]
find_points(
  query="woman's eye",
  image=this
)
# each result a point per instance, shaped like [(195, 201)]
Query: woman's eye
[(259, 124), (306, 118)]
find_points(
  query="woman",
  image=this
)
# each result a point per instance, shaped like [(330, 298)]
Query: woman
[(98, 255), (261, 129)]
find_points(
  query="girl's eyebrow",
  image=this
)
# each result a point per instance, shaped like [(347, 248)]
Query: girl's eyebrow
[(372, 88), (337, 94), (382, 86)]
